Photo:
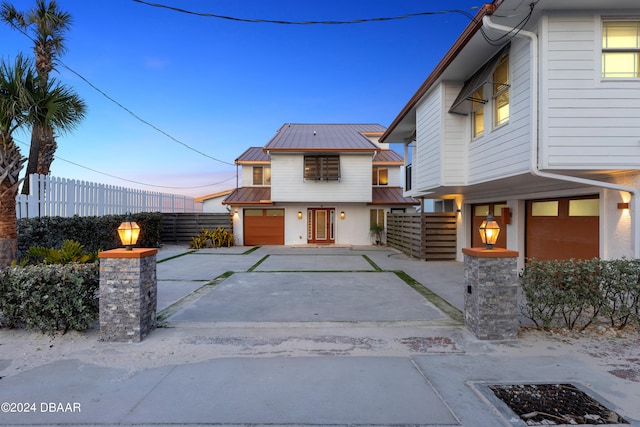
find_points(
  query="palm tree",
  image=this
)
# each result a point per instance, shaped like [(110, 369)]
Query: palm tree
[(48, 24), (16, 81)]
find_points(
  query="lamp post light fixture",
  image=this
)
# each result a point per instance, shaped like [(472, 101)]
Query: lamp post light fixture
[(129, 232), (489, 231)]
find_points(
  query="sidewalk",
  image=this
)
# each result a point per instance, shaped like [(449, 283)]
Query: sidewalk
[(301, 336)]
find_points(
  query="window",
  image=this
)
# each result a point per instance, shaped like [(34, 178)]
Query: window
[(477, 112), (380, 176), (376, 218), (322, 168), (621, 49), (261, 175), (501, 92)]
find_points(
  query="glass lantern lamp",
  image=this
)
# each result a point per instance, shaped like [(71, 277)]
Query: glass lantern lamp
[(489, 231)]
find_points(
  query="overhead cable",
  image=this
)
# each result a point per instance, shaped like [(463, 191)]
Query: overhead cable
[(282, 22)]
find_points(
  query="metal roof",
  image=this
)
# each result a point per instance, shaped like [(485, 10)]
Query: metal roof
[(253, 155), (391, 196), (324, 137), (388, 157), (249, 196)]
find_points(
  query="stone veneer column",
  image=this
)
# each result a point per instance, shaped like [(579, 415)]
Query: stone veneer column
[(491, 293), (128, 294)]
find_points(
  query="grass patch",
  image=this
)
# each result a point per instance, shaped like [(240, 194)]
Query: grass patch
[(434, 298), (255, 248), (174, 257), (373, 264), (254, 266), (169, 311)]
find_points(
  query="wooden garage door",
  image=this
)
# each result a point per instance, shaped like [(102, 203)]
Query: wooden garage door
[(263, 227), (563, 228)]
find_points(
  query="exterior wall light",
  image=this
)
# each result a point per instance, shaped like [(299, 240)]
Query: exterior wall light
[(299, 214), (342, 215), (129, 232), (489, 231), (623, 205)]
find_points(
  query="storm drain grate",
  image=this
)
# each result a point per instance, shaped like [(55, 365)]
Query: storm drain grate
[(554, 404)]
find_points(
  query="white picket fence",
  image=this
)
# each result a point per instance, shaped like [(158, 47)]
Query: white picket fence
[(51, 196)]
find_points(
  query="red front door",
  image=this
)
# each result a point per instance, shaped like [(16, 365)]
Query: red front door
[(321, 225)]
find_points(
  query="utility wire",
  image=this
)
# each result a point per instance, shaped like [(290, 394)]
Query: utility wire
[(281, 22), (130, 180), (137, 117)]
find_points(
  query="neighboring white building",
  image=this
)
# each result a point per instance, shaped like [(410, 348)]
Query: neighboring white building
[(317, 184), (533, 115), (212, 203)]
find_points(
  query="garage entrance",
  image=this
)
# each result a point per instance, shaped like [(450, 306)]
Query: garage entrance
[(263, 227), (563, 228)]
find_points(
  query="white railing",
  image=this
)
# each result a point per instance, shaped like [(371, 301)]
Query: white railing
[(51, 196)]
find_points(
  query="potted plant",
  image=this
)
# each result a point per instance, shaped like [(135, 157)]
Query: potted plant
[(376, 232)]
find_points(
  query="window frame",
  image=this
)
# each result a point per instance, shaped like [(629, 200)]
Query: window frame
[(326, 167), (477, 105), (376, 176), (613, 50), (262, 180), (500, 90)]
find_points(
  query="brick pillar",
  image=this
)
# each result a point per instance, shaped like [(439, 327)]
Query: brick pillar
[(128, 294), (491, 293)]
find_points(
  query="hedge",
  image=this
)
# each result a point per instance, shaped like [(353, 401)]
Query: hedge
[(93, 233), (50, 297), (576, 293)]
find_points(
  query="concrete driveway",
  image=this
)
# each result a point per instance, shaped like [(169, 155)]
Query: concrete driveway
[(298, 336)]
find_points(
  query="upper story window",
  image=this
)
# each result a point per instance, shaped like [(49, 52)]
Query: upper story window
[(261, 175), (621, 49), (322, 168), (487, 90), (380, 176), (477, 112), (501, 92)]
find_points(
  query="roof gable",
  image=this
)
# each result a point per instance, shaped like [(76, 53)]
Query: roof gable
[(324, 137)]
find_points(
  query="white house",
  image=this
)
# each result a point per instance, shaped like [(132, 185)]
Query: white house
[(212, 203), (317, 184), (533, 115)]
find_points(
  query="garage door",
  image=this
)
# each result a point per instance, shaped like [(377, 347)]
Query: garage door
[(263, 227), (563, 228)]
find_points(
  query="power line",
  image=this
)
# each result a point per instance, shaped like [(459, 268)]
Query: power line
[(130, 180), (281, 22), (137, 117)]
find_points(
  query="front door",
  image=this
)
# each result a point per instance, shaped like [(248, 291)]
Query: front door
[(321, 225)]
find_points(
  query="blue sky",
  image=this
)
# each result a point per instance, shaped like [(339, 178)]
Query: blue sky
[(221, 86)]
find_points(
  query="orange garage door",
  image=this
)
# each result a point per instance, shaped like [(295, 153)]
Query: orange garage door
[(563, 228), (263, 227)]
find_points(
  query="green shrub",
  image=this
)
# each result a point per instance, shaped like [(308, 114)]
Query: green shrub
[(71, 251), (574, 293), (93, 233), (220, 237), (50, 297)]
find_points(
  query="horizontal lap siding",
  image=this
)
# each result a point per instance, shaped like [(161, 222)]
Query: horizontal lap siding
[(504, 151), (587, 123), (288, 185), (456, 133), (427, 155)]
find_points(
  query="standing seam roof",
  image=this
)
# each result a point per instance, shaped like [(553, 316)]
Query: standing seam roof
[(319, 137)]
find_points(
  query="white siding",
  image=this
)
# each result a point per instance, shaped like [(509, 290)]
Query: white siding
[(456, 135), (428, 152), (288, 185), (504, 151), (586, 123)]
